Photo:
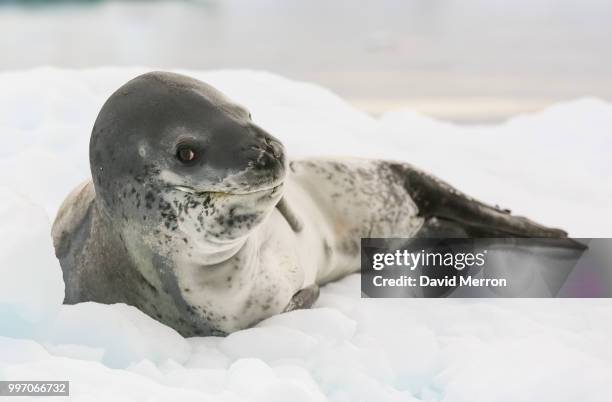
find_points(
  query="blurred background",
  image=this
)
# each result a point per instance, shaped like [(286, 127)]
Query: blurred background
[(477, 61)]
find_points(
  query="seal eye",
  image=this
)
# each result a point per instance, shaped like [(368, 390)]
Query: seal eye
[(185, 154)]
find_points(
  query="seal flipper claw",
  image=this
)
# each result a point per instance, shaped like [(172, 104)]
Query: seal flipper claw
[(303, 299)]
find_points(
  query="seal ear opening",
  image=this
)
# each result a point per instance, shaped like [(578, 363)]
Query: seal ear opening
[(294, 222)]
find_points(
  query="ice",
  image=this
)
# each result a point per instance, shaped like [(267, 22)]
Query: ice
[(269, 343), (124, 334), (31, 286), (325, 323), (253, 378), (552, 166)]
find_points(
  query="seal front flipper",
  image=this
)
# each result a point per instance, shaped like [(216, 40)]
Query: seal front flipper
[(303, 299), (291, 218)]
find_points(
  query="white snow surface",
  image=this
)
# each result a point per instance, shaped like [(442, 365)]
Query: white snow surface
[(553, 166)]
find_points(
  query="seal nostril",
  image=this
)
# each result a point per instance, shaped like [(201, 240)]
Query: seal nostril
[(265, 161), (274, 149), (277, 151)]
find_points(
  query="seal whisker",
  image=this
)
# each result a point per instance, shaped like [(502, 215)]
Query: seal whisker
[(191, 190)]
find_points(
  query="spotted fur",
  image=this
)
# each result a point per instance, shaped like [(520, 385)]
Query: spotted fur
[(202, 246)]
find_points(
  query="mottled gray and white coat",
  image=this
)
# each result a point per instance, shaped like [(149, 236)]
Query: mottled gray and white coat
[(237, 234)]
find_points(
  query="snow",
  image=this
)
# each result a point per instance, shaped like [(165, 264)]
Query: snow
[(31, 289), (553, 166)]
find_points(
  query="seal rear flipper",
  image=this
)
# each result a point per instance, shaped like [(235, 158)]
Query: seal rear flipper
[(435, 227), (450, 213)]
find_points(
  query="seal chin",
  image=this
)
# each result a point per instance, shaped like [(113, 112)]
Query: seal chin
[(224, 218)]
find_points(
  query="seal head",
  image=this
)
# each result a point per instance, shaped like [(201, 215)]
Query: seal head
[(175, 162)]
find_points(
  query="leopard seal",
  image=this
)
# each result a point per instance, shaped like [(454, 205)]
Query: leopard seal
[(195, 216)]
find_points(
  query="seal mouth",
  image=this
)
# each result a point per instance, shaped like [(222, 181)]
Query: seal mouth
[(191, 190)]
